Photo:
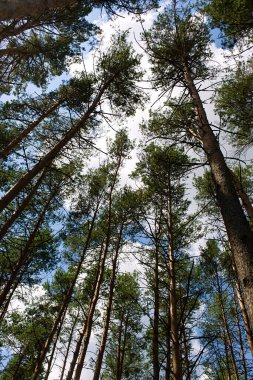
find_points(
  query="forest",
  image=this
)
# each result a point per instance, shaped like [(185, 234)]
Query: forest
[(126, 190)]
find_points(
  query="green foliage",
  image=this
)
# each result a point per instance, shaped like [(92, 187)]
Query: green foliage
[(124, 349), (235, 107), (232, 17), (176, 40), (122, 65)]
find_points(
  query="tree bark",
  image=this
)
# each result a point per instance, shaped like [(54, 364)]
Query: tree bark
[(247, 324), (73, 327), (47, 159), (81, 336), (244, 363), (17, 9), (176, 357), (65, 303), (89, 321), (22, 207), (243, 196), (238, 229), (226, 326), (155, 336), (101, 350), (24, 253)]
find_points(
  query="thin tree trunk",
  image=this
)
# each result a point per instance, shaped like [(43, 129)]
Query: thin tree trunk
[(49, 366), (48, 158), (155, 336), (17, 9), (123, 352), (101, 350), (22, 207), (238, 229), (243, 196), (168, 344), (226, 327), (227, 356), (65, 302), (186, 356), (245, 316), (68, 346), (80, 339), (24, 253), (240, 335), (118, 363), (14, 143), (176, 357), (89, 321), (86, 333)]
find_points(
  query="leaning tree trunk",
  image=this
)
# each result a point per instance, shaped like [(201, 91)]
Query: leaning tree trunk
[(9, 222), (48, 158), (238, 229), (22, 135)]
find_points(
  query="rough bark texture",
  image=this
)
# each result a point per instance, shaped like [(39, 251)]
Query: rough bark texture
[(238, 229), (17, 9)]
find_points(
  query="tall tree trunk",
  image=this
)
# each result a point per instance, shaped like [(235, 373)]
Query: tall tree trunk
[(65, 302), (238, 229), (229, 377), (240, 334), (17, 9), (89, 321), (168, 344), (73, 327), (48, 158), (226, 326), (49, 365), (101, 350), (119, 340), (186, 355), (176, 357), (245, 316), (82, 338), (155, 336), (119, 372), (244, 197)]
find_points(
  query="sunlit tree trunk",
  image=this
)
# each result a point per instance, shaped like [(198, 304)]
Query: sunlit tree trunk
[(238, 229)]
